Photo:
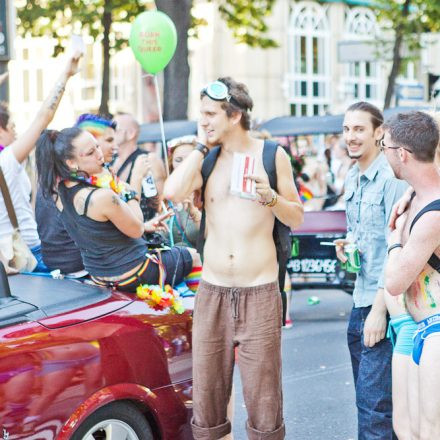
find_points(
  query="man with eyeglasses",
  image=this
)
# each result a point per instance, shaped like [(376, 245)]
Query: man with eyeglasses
[(413, 266), (238, 302), (370, 193)]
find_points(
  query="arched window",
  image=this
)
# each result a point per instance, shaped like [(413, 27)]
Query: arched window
[(362, 79), (361, 23), (308, 79)]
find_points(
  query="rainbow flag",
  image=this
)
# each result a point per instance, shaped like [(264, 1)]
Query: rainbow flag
[(192, 280), (304, 193)]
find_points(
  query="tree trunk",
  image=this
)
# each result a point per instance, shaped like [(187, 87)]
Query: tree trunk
[(105, 87), (397, 57), (176, 74)]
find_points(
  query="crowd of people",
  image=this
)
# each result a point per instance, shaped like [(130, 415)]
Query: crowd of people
[(107, 213)]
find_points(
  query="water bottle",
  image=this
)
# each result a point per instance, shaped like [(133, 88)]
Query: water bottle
[(149, 188)]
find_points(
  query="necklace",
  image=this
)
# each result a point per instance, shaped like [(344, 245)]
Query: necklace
[(107, 180)]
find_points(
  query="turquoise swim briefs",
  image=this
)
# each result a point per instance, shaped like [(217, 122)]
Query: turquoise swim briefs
[(401, 332)]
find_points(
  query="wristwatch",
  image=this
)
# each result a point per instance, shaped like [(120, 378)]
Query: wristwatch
[(202, 148)]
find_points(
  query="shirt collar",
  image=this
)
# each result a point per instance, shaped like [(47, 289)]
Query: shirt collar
[(371, 172)]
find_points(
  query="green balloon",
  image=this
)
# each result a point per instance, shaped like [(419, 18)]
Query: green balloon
[(153, 40)]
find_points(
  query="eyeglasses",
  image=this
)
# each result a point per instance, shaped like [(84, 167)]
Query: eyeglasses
[(218, 91), (383, 147)]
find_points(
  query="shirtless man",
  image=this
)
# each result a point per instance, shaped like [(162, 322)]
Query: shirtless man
[(238, 303), (413, 267)]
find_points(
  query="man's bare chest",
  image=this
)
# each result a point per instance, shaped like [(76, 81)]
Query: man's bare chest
[(218, 188)]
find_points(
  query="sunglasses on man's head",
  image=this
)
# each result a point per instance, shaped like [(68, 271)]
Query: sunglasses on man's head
[(218, 91)]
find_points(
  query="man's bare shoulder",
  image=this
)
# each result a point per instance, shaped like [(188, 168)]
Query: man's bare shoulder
[(425, 232)]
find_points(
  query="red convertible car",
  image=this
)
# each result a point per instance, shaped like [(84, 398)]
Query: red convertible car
[(82, 362)]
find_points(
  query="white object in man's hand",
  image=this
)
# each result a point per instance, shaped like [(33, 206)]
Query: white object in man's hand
[(77, 44)]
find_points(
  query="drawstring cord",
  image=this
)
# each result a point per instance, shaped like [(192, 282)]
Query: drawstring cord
[(235, 302)]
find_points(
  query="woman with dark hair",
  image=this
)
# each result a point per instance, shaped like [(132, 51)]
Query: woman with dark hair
[(103, 216)]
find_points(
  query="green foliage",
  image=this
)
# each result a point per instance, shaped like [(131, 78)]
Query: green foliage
[(423, 16), (247, 20), (59, 19)]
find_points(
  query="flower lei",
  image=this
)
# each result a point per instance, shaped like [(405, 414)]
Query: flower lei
[(160, 299), (106, 180)]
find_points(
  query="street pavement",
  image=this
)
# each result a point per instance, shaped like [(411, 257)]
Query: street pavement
[(319, 399)]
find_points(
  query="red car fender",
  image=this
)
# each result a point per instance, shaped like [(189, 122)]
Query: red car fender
[(122, 391)]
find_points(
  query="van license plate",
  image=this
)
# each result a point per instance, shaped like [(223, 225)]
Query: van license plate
[(312, 265)]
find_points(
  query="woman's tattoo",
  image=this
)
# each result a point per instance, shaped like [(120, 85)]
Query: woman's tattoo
[(115, 200), (59, 89)]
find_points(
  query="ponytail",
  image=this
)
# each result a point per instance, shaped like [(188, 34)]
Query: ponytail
[(53, 149)]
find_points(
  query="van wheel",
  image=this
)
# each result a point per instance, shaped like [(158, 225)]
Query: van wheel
[(116, 421)]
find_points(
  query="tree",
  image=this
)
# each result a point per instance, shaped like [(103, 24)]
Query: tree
[(59, 19), (407, 19), (245, 18)]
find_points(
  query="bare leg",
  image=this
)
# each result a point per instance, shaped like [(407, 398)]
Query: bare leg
[(401, 422), (413, 398), (429, 382)]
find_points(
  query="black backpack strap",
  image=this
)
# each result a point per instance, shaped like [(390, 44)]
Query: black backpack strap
[(434, 261), (207, 167), (269, 154), (433, 206), (281, 232)]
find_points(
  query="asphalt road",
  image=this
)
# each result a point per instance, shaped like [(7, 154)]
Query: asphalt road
[(319, 401)]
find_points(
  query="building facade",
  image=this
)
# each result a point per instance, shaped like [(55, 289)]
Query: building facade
[(326, 60), (33, 72)]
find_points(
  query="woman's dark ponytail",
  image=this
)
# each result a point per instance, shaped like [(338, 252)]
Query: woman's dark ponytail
[(53, 149)]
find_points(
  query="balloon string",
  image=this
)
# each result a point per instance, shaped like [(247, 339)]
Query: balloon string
[(162, 129)]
